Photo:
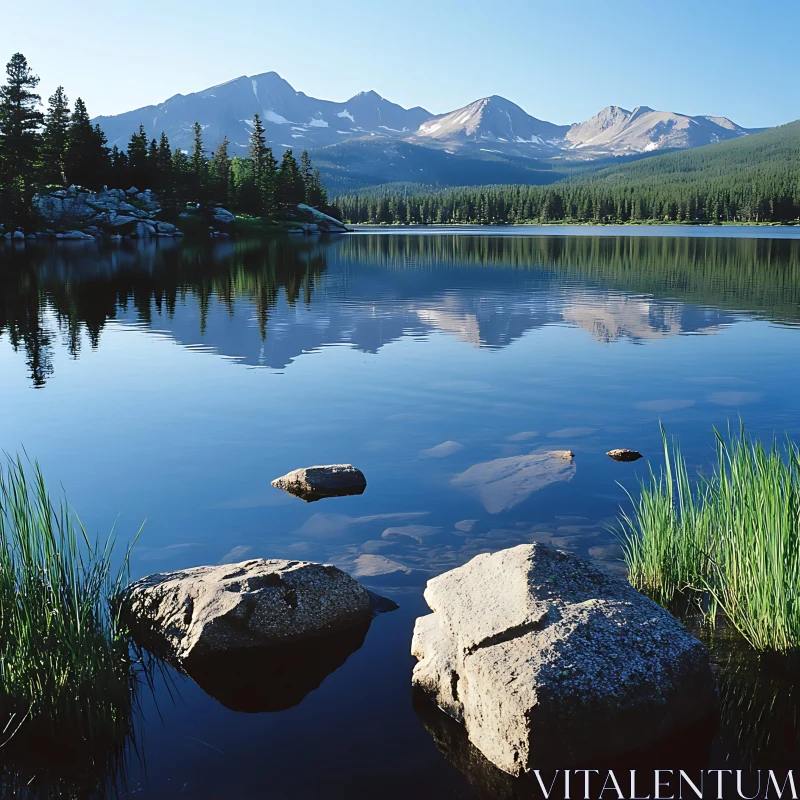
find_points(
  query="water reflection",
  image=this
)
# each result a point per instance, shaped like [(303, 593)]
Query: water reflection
[(443, 367), (264, 303), (274, 678)]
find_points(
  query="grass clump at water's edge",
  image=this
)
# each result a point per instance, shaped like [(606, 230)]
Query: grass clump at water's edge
[(734, 536), (66, 674)]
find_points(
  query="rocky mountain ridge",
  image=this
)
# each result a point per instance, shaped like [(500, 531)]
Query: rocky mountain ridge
[(295, 120), (489, 129)]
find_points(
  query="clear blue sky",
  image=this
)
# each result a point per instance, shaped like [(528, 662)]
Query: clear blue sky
[(561, 60)]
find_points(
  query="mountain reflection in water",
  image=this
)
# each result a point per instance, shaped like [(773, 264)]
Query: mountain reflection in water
[(265, 304)]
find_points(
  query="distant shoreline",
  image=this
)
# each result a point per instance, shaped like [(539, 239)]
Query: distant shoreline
[(699, 231)]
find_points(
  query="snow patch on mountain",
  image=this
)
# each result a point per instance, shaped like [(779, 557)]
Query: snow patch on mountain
[(271, 116)]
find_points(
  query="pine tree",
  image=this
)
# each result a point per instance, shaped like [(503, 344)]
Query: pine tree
[(315, 194), (119, 167), (55, 138), (220, 171), (260, 196), (198, 166), (290, 187), (153, 175), (164, 172), (138, 166), (19, 138), (307, 174), (87, 160)]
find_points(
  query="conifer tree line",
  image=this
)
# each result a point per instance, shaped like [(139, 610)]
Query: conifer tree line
[(579, 203), (751, 179), (60, 147)]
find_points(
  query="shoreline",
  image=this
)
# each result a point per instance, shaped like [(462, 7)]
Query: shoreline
[(688, 230)]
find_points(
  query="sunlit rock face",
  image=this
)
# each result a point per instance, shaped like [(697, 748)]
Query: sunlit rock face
[(252, 604), (315, 483), (536, 652)]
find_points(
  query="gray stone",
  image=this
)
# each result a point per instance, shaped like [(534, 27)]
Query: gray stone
[(624, 455), (18, 235), (223, 215), (77, 236), (314, 483), (547, 660), (144, 230), (122, 219), (322, 221), (253, 604), (132, 191)]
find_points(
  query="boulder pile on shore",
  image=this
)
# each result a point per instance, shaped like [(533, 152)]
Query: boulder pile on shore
[(78, 214)]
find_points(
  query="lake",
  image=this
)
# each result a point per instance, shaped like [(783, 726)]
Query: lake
[(169, 383)]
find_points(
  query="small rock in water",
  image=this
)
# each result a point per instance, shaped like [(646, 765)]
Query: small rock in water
[(314, 483), (624, 455)]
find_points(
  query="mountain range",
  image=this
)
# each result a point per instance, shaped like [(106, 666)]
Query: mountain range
[(368, 139)]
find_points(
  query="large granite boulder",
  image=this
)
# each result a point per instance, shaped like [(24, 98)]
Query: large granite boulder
[(254, 604), (321, 222), (314, 483), (548, 661)]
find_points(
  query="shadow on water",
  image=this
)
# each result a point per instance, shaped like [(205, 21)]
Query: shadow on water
[(688, 749), (40, 764), (275, 678)]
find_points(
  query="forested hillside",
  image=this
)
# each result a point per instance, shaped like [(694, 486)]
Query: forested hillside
[(752, 179)]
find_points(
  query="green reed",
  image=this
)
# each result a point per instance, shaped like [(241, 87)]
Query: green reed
[(734, 536), (66, 670)]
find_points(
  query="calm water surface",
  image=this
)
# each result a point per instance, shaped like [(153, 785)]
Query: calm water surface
[(170, 383)]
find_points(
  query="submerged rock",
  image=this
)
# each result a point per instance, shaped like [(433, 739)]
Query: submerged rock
[(506, 482), (624, 455), (254, 604), (314, 483), (547, 660)]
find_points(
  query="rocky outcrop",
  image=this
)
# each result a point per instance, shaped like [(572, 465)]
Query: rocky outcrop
[(314, 483), (624, 455), (112, 211), (253, 604), (547, 660), (315, 221)]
